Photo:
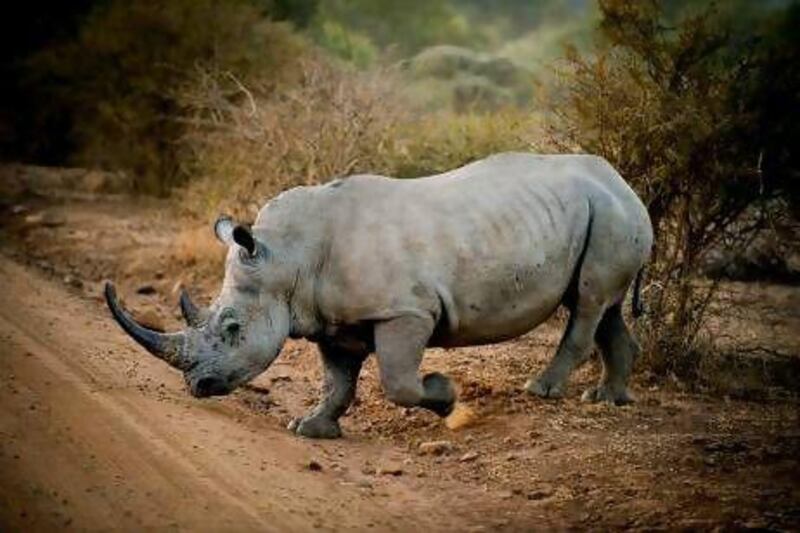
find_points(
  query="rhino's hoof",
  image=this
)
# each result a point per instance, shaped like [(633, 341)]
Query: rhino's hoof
[(604, 393), (543, 388), (440, 395), (315, 428)]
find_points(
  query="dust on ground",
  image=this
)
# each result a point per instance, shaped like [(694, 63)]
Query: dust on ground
[(95, 433)]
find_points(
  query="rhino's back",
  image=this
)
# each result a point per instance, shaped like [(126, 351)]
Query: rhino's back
[(490, 247)]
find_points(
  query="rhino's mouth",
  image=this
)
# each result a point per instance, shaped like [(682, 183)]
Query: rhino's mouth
[(207, 386)]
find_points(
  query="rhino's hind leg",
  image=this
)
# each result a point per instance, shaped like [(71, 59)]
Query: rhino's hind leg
[(619, 350), (399, 344), (339, 389), (573, 349)]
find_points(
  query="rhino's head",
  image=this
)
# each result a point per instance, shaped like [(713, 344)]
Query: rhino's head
[(243, 330)]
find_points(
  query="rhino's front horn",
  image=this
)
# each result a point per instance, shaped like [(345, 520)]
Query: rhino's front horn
[(166, 346), (192, 314)]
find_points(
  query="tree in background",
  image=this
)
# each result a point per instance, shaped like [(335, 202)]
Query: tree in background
[(34, 26), (404, 27), (699, 119), (117, 80), (299, 12), (504, 20)]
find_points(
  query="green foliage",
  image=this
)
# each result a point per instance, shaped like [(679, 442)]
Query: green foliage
[(299, 12), (502, 21), (119, 78), (405, 27), (538, 48), (346, 44), (453, 77), (674, 107)]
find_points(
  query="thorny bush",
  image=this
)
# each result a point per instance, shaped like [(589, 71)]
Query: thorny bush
[(672, 105)]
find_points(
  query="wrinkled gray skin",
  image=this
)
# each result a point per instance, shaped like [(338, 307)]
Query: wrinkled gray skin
[(370, 264)]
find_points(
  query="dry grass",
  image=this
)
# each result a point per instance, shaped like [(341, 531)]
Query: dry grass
[(197, 248), (443, 141)]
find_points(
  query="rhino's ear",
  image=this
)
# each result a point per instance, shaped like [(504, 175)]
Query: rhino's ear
[(231, 233), (223, 228), (243, 237)]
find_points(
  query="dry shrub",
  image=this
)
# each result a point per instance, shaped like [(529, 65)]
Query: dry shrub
[(664, 103), (246, 144)]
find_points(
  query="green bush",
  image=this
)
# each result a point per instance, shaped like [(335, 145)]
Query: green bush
[(349, 45), (403, 28), (457, 78)]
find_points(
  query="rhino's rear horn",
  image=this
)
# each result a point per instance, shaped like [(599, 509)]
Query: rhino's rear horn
[(193, 315), (166, 346)]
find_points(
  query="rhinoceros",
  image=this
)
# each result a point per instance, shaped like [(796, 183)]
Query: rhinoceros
[(371, 264)]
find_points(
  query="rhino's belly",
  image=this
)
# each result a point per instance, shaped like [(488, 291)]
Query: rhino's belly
[(499, 309)]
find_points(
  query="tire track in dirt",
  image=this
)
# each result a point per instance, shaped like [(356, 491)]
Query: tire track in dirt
[(143, 450), (94, 435)]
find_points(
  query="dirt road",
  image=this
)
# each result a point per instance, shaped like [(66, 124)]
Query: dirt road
[(95, 434)]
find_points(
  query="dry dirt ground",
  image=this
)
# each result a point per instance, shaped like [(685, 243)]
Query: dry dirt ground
[(96, 434)]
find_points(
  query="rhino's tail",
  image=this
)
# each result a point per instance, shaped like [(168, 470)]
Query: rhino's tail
[(637, 306)]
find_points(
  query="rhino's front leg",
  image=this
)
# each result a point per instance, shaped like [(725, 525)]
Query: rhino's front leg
[(399, 344), (339, 389)]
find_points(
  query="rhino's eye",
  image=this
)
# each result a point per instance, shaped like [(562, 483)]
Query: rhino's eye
[(230, 333), (229, 326)]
